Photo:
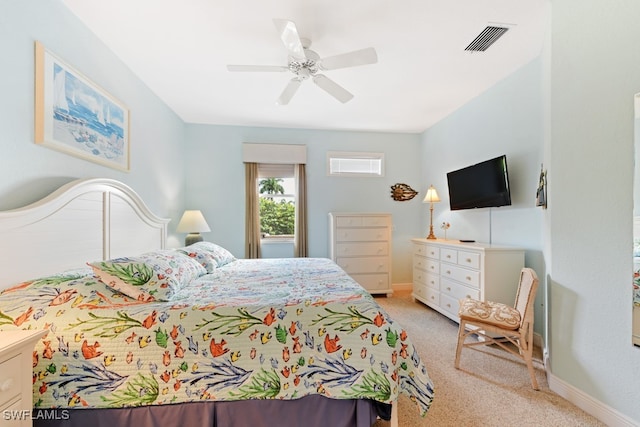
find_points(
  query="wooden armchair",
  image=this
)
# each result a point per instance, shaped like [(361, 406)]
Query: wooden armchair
[(509, 327)]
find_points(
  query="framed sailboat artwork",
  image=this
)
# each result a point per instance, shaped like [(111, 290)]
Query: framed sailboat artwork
[(76, 116)]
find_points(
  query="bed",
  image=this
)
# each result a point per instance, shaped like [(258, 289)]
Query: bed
[(143, 335)]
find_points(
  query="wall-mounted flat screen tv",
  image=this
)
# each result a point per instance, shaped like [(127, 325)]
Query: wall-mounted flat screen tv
[(483, 185)]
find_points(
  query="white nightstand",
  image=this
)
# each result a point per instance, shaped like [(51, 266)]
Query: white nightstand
[(16, 366)]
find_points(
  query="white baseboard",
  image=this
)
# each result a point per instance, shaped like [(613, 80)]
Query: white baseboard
[(402, 286), (594, 407)]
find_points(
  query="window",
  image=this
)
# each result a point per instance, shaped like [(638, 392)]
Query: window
[(342, 163), (277, 196)]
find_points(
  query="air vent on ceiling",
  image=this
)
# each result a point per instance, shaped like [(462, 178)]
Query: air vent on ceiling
[(486, 38)]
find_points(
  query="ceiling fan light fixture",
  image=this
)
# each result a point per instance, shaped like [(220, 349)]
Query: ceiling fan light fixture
[(305, 63)]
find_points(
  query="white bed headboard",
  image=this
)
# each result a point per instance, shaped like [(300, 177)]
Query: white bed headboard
[(84, 220)]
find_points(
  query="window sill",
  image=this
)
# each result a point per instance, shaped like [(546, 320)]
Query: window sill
[(276, 240)]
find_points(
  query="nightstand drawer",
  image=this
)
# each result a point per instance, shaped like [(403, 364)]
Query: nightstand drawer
[(10, 380)]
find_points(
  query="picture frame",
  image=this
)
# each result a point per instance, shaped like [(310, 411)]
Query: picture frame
[(76, 116)]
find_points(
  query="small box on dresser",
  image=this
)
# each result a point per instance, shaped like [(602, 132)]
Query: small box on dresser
[(16, 356), (360, 243), (444, 271)]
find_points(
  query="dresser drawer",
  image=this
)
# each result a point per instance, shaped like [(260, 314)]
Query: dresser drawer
[(419, 276), (420, 290), (463, 275), (372, 282), (457, 291), (375, 221), (362, 248), (10, 380), (364, 265), (432, 281), (433, 266), (419, 249), (349, 221), (449, 255), (420, 262), (362, 235), (451, 305), (469, 259), (432, 252), (432, 296)]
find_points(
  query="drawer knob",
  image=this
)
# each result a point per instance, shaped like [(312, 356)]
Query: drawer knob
[(448, 271), (468, 260), (448, 256), (449, 305), (468, 278), (448, 288), (6, 385)]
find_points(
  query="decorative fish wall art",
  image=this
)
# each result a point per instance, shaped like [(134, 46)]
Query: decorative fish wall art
[(402, 192)]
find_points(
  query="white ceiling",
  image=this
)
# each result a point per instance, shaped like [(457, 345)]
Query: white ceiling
[(180, 49)]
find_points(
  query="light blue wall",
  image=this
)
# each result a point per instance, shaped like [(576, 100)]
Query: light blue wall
[(506, 119), (581, 100), (215, 183), (30, 171), (594, 75)]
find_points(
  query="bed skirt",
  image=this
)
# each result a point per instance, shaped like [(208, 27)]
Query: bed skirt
[(309, 411)]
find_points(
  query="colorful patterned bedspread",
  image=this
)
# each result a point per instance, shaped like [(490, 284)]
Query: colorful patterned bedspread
[(253, 329)]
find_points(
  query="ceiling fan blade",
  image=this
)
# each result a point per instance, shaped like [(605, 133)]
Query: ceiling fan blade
[(256, 68), (332, 88), (289, 91), (350, 59), (290, 37)]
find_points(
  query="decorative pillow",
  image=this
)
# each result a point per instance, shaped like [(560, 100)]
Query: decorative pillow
[(153, 276), (209, 255)]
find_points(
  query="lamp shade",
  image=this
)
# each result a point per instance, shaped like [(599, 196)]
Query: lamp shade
[(431, 196), (192, 222)]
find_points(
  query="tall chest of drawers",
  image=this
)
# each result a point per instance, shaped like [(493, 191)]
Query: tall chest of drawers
[(444, 271), (360, 243)]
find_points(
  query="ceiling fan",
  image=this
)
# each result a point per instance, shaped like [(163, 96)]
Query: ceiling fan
[(307, 64)]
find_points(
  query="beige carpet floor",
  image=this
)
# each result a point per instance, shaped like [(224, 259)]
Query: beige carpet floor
[(492, 388)]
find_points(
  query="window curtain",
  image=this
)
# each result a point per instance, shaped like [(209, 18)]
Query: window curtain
[(252, 212), (300, 245)]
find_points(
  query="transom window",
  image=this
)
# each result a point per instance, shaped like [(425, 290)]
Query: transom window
[(345, 163)]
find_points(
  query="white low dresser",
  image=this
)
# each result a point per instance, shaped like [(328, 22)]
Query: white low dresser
[(360, 243), (16, 389), (444, 271)]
